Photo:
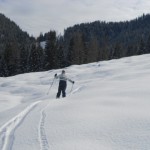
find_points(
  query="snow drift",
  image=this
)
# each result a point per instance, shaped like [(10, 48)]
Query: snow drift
[(107, 109)]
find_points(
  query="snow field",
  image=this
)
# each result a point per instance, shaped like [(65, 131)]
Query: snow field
[(107, 109)]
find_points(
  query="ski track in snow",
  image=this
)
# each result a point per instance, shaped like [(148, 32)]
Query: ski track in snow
[(42, 134), (78, 89), (8, 129)]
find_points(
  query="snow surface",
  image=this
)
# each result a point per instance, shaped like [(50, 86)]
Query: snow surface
[(108, 108), (43, 44)]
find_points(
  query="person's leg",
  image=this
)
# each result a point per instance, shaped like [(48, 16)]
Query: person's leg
[(59, 92), (64, 90)]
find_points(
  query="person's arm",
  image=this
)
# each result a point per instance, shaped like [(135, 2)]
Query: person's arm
[(70, 81), (56, 76)]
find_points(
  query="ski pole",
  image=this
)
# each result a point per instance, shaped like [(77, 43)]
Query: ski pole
[(71, 88), (50, 86)]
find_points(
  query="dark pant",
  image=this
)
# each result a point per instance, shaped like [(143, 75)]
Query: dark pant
[(62, 88)]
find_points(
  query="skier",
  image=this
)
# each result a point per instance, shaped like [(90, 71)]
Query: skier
[(62, 84)]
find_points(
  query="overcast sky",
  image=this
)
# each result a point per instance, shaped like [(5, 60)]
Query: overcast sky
[(35, 16)]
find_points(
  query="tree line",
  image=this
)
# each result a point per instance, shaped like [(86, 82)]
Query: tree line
[(80, 44)]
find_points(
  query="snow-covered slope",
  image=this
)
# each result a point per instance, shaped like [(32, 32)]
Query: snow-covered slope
[(108, 108)]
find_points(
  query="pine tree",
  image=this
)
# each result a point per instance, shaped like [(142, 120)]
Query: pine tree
[(34, 59), (147, 46), (76, 50), (93, 50), (70, 57), (117, 52), (23, 59), (50, 51), (141, 49), (60, 57)]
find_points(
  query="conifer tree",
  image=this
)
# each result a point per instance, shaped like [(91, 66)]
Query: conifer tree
[(50, 51), (34, 59)]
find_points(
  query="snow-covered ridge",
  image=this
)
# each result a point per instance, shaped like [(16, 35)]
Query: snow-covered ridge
[(107, 109)]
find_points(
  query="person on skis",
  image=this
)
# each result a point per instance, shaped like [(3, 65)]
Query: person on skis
[(62, 84)]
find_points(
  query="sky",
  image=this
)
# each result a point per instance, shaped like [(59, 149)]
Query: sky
[(40, 16)]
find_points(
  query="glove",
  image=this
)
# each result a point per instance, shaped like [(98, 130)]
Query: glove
[(73, 82), (55, 75)]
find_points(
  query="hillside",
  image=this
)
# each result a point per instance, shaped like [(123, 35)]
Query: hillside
[(96, 41), (107, 109), (14, 46), (80, 44), (100, 40)]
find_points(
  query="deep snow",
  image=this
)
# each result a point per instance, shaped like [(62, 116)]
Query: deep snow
[(108, 108)]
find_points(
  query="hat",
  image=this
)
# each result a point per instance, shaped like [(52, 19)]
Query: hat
[(63, 71)]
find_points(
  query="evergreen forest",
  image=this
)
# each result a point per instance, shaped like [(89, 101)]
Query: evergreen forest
[(81, 44)]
